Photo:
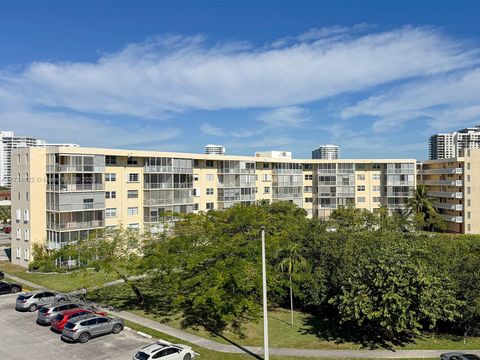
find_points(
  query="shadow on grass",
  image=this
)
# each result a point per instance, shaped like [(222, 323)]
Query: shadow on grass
[(248, 352), (366, 337)]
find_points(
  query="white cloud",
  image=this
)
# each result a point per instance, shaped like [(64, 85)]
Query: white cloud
[(211, 130), (288, 117), (172, 74)]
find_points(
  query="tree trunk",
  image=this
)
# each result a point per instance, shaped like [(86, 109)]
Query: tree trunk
[(135, 289), (291, 299), (465, 334)]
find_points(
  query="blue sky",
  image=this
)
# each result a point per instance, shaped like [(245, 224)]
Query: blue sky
[(376, 78)]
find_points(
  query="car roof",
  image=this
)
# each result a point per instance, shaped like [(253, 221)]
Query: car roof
[(74, 311), (82, 317), (160, 345)]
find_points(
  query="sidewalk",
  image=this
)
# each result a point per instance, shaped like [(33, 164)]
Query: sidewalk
[(238, 349)]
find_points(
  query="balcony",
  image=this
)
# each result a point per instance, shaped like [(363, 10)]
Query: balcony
[(452, 207), (237, 184), (443, 182), (446, 194), (75, 187), (167, 169), (76, 207), (236, 171), (454, 219), (160, 186), (77, 225), (170, 201), (237, 198), (442, 171), (75, 168)]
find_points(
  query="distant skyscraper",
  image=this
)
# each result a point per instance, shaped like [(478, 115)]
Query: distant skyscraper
[(330, 152), (9, 141), (449, 145), (211, 149)]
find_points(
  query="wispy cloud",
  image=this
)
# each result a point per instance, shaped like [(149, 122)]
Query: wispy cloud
[(208, 129), (288, 117)]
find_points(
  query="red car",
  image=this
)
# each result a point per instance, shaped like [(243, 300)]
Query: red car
[(60, 320), (7, 229)]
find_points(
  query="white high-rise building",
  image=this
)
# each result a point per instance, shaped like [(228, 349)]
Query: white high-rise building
[(449, 145), (326, 152), (10, 141), (212, 149)]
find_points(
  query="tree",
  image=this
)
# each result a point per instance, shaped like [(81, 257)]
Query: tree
[(388, 289), (117, 251), (5, 214), (289, 258), (421, 205)]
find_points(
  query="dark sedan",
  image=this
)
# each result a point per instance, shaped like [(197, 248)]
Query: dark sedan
[(2, 275), (6, 288)]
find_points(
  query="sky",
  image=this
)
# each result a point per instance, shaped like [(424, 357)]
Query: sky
[(376, 78)]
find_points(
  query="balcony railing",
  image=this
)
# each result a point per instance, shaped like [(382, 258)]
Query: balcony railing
[(156, 186), (443, 182), (446, 194), (237, 198), (236, 171), (75, 168), (251, 184), (454, 219), (443, 171), (176, 201), (76, 225), (75, 187), (167, 169), (399, 194), (446, 206), (76, 207)]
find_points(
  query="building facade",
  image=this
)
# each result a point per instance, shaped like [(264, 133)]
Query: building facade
[(326, 152), (212, 149), (62, 194), (450, 145), (10, 141), (454, 184)]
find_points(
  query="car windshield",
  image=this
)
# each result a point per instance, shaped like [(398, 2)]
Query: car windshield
[(142, 356), (471, 357), (70, 325), (43, 310), (24, 297)]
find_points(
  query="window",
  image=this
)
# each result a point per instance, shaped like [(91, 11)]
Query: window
[(110, 194), (209, 191), (376, 176), (26, 177), (376, 199), (468, 166), (132, 194), (468, 178), (210, 163), (18, 253), (308, 177), (132, 161), (209, 177), (110, 160), (376, 166), (195, 177), (361, 177), (26, 158), (18, 214), (196, 192), (469, 202), (111, 212), (26, 196), (132, 211), (469, 189), (25, 215), (360, 199), (469, 215), (26, 255), (469, 227), (376, 187), (308, 200), (361, 188), (133, 177), (195, 206), (110, 177), (88, 201), (266, 177), (308, 189), (19, 196), (18, 159), (266, 190), (18, 234), (26, 235), (134, 226), (265, 165), (209, 206)]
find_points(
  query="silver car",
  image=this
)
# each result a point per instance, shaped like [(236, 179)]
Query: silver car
[(458, 356), (46, 313), (83, 328), (33, 300)]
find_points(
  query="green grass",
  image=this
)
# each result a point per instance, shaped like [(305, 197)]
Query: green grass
[(60, 282), (308, 332), (208, 354)]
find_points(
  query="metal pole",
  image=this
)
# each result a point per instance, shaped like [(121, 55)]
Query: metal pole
[(265, 311)]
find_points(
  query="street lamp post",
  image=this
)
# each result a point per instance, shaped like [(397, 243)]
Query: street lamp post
[(265, 311)]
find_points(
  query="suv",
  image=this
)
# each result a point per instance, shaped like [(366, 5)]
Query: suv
[(61, 319), (33, 300), (47, 312), (81, 329)]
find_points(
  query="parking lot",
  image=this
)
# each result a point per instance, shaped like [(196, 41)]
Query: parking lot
[(21, 338)]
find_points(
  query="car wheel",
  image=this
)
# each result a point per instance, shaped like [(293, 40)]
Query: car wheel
[(61, 299), (83, 338), (187, 357), (32, 307), (117, 328), (14, 290)]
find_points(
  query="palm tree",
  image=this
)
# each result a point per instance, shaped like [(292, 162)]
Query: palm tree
[(290, 257), (421, 203)]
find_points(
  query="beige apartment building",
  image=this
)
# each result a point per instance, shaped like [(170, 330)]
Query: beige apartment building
[(455, 185), (62, 194)]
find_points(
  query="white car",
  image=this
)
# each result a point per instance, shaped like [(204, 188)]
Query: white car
[(165, 350)]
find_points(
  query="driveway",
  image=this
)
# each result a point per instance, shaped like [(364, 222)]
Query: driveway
[(21, 338)]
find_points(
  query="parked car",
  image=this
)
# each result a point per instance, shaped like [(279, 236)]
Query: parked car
[(83, 328), (458, 356), (61, 319), (165, 350), (7, 229), (46, 313), (2, 275), (6, 288), (33, 300)]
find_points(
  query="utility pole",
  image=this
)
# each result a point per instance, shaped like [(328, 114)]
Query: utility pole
[(265, 311)]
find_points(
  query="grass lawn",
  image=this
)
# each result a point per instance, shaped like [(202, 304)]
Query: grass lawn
[(308, 331), (60, 282)]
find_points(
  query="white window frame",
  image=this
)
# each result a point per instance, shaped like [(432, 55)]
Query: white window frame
[(131, 211)]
